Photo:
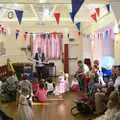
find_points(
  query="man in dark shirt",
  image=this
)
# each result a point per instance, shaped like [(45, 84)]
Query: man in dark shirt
[(40, 58)]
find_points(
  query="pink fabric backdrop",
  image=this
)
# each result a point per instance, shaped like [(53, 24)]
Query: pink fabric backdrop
[(50, 44)]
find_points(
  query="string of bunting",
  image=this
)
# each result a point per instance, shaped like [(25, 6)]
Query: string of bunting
[(27, 34), (106, 34), (18, 13)]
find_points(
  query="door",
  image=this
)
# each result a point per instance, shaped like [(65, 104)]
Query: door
[(73, 57)]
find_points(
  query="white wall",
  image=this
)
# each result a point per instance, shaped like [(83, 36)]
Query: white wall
[(96, 49), (13, 46)]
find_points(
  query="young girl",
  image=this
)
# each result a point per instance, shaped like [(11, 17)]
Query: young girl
[(24, 107), (60, 86), (41, 93), (67, 87)]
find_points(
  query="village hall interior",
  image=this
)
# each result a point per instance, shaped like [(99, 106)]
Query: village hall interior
[(59, 59)]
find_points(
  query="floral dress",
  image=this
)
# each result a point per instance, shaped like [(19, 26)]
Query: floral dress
[(24, 109)]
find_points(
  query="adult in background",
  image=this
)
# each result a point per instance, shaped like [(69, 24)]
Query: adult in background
[(98, 71), (80, 74), (40, 58), (117, 81)]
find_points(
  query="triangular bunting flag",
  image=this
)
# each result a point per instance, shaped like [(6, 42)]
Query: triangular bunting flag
[(108, 7), (106, 35), (57, 17), (97, 11), (78, 26), (76, 4), (94, 17), (17, 33), (72, 15), (19, 15)]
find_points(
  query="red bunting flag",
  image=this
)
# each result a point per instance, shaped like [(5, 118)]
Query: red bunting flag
[(97, 11), (57, 17), (54, 35), (94, 17)]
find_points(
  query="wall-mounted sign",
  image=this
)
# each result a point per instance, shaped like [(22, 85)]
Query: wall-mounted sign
[(10, 14)]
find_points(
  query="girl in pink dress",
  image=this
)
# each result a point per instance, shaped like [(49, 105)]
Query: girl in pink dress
[(41, 93), (60, 86)]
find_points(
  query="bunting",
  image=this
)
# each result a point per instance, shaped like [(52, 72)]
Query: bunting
[(78, 26), (94, 17), (108, 7), (57, 17), (17, 33), (76, 5), (19, 15), (97, 11), (72, 15)]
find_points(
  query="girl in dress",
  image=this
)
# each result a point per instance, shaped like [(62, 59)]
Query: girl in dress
[(60, 86), (67, 86), (24, 106), (41, 93)]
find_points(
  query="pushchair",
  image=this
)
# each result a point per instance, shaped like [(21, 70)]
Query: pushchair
[(82, 107)]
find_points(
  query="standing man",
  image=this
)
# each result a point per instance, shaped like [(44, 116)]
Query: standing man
[(40, 58)]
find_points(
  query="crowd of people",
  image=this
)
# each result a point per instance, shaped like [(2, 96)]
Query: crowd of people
[(102, 96), (25, 91)]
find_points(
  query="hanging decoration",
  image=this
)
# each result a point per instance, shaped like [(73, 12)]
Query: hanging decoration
[(57, 17), (25, 35), (76, 5), (10, 14), (97, 11), (54, 35), (106, 33), (17, 33), (19, 15), (94, 17), (72, 16), (78, 26), (108, 7), (3, 30)]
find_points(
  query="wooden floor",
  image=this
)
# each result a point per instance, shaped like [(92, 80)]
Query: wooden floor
[(56, 108)]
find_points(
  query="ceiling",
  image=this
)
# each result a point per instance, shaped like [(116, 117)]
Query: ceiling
[(41, 11)]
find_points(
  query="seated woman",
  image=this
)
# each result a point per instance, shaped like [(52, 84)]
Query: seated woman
[(41, 93)]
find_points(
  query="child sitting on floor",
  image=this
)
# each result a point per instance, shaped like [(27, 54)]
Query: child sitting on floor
[(41, 93), (50, 86)]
